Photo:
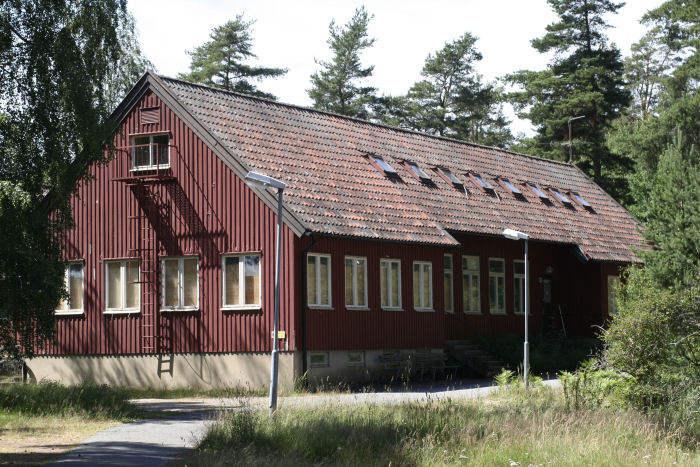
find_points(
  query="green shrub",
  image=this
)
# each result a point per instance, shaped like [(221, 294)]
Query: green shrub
[(593, 387)]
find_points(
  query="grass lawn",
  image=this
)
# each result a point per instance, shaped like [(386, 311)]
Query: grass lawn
[(38, 423), (506, 429)]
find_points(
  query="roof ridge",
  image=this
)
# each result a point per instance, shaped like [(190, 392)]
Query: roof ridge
[(368, 122)]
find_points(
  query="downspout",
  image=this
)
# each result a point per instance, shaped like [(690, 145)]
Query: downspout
[(304, 301)]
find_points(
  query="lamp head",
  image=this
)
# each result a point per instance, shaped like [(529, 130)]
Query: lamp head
[(254, 178), (515, 235)]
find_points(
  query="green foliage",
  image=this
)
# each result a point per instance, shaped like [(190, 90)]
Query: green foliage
[(592, 387), (335, 88), (50, 398), (452, 101), (220, 61), (56, 62), (584, 78)]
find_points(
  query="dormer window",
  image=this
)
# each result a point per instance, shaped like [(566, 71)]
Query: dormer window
[(383, 165), (510, 186), (418, 171), (150, 152), (537, 191), (561, 197)]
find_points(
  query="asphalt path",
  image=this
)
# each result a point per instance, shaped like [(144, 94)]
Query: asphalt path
[(158, 441)]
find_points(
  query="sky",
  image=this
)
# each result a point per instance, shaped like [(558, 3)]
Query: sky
[(292, 34)]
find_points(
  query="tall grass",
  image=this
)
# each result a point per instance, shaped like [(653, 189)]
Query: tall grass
[(507, 429), (99, 402)]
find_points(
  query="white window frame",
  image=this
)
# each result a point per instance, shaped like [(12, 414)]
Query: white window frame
[(500, 307), (613, 281), (449, 272), (421, 278), (316, 302), (66, 282), (180, 285), (359, 362), (123, 271), (469, 274), (241, 282), (389, 292), (356, 304), (151, 166), (519, 278)]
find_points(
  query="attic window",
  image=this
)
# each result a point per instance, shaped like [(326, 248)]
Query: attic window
[(537, 191), (580, 200), (485, 185), (417, 170), (510, 186), (561, 197), (384, 166), (450, 176)]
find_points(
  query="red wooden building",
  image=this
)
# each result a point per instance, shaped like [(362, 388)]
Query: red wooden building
[(392, 240)]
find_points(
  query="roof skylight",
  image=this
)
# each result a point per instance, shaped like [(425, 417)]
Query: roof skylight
[(580, 200), (561, 197), (452, 177), (510, 186), (418, 171), (485, 185), (537, 191), (385, 167)]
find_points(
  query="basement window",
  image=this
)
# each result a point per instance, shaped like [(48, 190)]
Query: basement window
[(510, 186), (561, 197), (537, 191), (318, 359), (241, 279), (418, 171), (356, 359), (180, 284), (384, 166), (122, 288), (73, 280), (150, 152)]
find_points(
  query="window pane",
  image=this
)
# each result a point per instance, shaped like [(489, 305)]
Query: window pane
[(427, 273), (171, 290), (520, 267), (493, 294), (495, 266), (160, 149), (191, 297), (141, 151), (232, 281), (416, 285), (384, 282), (76, 287), (448, 292), (348, 281), (501, 295), (476, 295), (448, 262), (361, 266), (473, 263), (132, 285), (252, 280), (395, 284), (518, 295), (114, 285), (325, 284), (311, 280)]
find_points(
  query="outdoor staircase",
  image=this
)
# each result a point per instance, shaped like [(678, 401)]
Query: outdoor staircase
[(474, 358)]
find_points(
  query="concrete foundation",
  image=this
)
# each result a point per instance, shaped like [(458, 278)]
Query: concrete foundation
[(205, 371)]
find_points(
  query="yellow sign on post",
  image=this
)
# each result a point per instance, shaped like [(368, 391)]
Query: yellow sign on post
[(280, 334)]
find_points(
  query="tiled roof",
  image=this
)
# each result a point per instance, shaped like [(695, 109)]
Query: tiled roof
[(333, 188)]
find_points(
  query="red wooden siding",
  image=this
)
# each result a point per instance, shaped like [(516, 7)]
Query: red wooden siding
[(207, 211)]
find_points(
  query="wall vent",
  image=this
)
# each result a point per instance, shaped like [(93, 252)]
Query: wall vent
[(150, 116)]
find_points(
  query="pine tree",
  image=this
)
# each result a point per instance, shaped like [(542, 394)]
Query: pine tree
[(584, 78), (220, 61), (335, 87)]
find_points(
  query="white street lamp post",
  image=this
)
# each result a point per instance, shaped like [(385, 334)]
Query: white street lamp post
[(515, 235), (254, 178)]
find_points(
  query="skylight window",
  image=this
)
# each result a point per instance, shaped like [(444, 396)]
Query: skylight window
[(451, 176), (385, 167), (485, 185), (537, 191), (580, 200), (561, 197), (417, 170), (510, 186)]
